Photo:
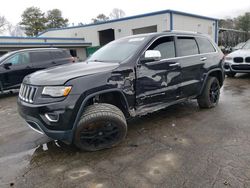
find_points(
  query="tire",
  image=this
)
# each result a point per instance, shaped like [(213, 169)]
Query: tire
[(210, 95), (101, 126), (231, 74)]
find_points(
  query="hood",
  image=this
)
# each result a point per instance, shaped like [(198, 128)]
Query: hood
[(61, 74), (240, 53)]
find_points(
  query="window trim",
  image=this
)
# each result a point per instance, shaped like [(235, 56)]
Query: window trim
[(175, 39)]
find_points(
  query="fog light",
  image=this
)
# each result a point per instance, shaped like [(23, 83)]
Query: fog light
[(226, 66), (52, 117)]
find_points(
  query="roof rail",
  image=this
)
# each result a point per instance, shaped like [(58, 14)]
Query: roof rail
[(183, 31)]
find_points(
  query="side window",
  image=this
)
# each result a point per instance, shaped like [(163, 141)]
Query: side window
[(40, 56), (19, 59), (205, 45), (166, 46), (187, 46), (60, 54)]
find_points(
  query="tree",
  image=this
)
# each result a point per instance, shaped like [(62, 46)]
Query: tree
[(227, 23), (243, 22), (55, 19), (100, 18), (33, 21), (15, 30), (3, 24), (117, 13)]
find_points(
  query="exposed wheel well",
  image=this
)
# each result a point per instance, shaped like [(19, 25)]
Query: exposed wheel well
[(218, 75), (115, 98)]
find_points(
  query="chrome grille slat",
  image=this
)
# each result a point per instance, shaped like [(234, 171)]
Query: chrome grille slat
[(27, 93)]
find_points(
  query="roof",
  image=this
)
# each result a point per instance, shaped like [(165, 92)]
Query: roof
[(43, 38), (10, 41), (133, 17)]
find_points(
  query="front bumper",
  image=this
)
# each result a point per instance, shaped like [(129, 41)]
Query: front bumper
[(237, 67), (35, 116)]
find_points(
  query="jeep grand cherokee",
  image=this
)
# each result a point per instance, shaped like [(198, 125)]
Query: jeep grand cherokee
[(88, 103)]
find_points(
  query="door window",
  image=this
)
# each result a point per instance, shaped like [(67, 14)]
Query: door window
[(205, 45), (18, 59), (166, 46), (187, 46), (40, 56)]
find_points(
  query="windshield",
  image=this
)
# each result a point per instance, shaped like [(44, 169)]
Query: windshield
[(119, 50), (247, 45)]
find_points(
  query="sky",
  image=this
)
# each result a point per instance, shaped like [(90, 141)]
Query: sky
[(83, 11)]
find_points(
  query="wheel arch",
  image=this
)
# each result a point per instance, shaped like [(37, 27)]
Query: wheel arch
[(218, 73), (123, 103)]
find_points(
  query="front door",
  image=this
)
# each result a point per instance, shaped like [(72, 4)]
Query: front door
[(15, 69), (159, 80)]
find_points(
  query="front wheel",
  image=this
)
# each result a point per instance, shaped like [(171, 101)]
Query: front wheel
[(210, 94), (101, 126)]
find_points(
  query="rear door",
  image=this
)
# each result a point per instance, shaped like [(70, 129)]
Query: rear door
[(191, 66), (18, 67), (159, 80)]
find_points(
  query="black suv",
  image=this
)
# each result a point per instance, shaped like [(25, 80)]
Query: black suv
[(88, 103), (14, 66)]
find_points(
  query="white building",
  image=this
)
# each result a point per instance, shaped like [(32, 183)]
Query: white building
[(101, 33)]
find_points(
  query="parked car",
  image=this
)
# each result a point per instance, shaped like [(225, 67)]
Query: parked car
[(14, 66), (238, 46), (238, 61), (88, 103)]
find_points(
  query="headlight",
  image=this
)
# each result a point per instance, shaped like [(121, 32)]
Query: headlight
[(56, 91), (229, 58)]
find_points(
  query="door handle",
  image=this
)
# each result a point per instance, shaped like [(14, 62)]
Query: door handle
[(174, 64), (203, 58)]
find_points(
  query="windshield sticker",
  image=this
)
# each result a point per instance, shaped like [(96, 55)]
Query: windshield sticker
[(136, 39)]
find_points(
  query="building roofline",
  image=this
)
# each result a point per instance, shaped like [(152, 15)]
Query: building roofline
[(42, 38), (44, 44), (133, 17)]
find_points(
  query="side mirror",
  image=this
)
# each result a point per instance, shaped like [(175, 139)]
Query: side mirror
[(7, 65), (151, 55)]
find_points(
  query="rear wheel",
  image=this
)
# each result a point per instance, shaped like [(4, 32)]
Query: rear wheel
[(210, 94), (101, 126), (230, 74)]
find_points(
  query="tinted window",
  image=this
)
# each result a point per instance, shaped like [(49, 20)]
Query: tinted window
[(40, 56), (205, 45), (60, 54), (166, 46), (187, 46), (22, 58)]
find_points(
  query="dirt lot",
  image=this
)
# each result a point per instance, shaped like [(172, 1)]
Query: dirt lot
[(181, 146)]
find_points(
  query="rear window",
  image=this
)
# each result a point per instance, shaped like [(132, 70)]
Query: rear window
[(40, 56), (187, 46), (205, 45)]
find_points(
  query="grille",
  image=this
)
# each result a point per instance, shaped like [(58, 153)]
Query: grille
[(238, 59), (247, 59), (27, 93), (241, 67)]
